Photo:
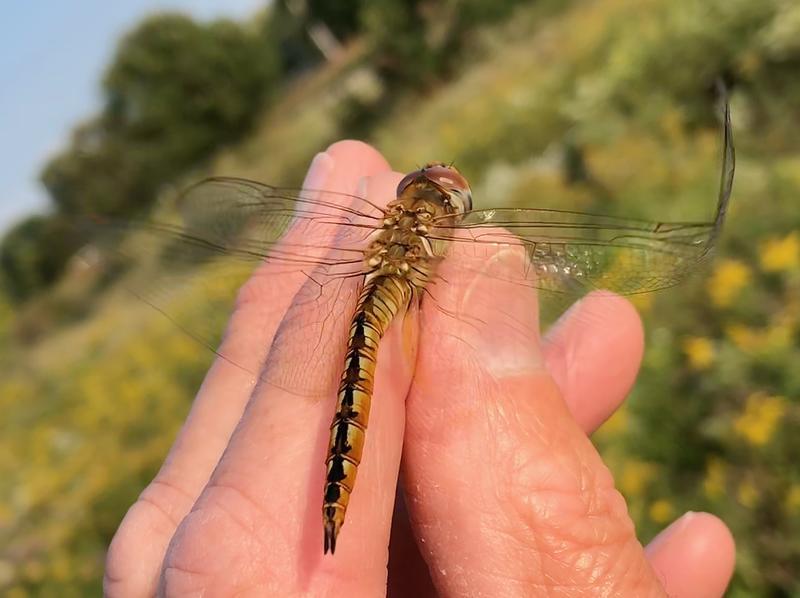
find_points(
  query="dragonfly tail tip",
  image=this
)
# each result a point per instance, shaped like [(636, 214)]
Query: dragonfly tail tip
[(330, 537)]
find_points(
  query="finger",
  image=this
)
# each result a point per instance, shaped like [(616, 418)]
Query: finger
[(507, 496), (408, 573), (599, 339), (137, 550), (258, 524), (694, 557), (593, 353)]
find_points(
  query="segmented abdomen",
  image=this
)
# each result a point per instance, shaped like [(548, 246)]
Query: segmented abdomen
[(382, 298)]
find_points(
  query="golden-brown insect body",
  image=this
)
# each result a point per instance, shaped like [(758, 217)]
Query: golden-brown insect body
[(399, 262)]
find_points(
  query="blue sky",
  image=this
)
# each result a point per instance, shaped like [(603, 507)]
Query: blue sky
[(52, 54)]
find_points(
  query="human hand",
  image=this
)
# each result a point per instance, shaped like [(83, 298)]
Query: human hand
[(504, 493)]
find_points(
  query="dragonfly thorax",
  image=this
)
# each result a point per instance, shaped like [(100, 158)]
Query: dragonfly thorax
[(402, 251)]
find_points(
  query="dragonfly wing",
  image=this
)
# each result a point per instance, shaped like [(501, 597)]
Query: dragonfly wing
[(567, 255), (191, 261), (574, 252), (307, 354)]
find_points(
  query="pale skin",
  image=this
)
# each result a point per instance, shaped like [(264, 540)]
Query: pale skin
[(504, 493)]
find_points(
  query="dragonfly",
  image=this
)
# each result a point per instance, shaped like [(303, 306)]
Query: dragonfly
[(365, 266)]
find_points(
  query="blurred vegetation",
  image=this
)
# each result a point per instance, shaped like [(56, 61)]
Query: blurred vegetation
[(175, 91), (602, 106)]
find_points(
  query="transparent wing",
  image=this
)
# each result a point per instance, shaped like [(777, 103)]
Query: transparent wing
[(301, 250), (572, 253), (302, 253)]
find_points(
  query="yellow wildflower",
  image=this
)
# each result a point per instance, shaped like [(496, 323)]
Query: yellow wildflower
[(661, 511), (728, 279), (780, 255), (700, 352), (779, 336), (776, 337), (792, 501), (61, 568), (747, 494), (642, 301), (617, 423), (635, 477), (6, 514), (714, 483), (760, 418), (745, 338), (34, 570), (6, 572)]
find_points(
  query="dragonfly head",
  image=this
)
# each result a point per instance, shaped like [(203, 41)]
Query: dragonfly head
[(445, 181)]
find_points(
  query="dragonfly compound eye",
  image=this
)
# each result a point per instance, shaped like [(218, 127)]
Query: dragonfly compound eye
[(447, 179), (407, 180)]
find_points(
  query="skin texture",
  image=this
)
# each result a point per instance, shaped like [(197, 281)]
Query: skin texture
[(502, 493)]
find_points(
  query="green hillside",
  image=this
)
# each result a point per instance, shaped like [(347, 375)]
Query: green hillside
[(601, 106)]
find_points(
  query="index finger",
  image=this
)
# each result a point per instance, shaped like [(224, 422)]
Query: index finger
[(137, 550), (261, 510), (506, 494)]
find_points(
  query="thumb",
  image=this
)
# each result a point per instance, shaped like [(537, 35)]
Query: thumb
[(506, 495)]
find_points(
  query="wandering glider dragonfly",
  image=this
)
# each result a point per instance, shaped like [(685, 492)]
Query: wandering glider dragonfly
[(366, 265)]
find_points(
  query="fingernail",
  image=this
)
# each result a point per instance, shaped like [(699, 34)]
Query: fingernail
[(562, 320), (319, 171), (673, 529), (503, 311)]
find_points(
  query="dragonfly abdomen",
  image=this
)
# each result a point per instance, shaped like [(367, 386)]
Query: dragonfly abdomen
[(382, 298)]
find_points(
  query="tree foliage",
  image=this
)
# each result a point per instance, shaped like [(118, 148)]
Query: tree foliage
[(184, 88), (175, 91), (33, 254), (342, 18), (417, 42), (288, 33)]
